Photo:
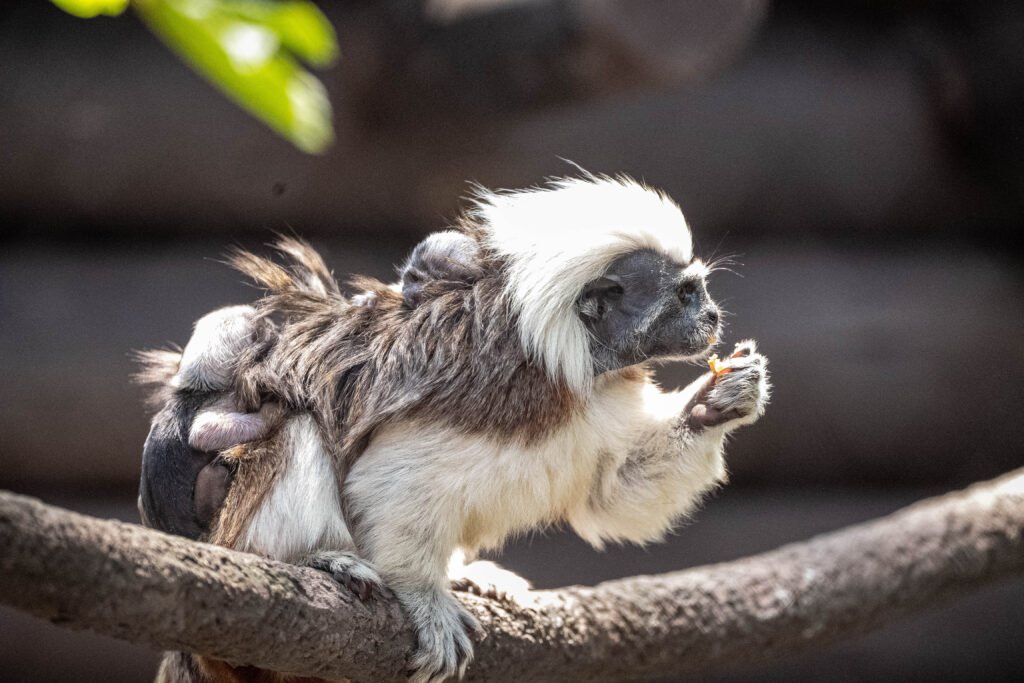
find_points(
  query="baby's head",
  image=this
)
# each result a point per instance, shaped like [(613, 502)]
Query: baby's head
[(448, 256), (209, 360)]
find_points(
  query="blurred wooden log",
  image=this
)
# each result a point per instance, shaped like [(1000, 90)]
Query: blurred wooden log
[(147, 587), (467, 61), (890, 366), (824, 128)]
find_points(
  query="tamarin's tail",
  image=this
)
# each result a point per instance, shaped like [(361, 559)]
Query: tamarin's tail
[(182, 667), (179, 667)]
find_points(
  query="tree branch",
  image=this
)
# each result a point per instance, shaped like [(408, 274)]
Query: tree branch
[(139, 585)]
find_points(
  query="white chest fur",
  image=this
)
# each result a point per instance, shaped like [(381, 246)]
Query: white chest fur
[(420, 484), (481, 489), (302, 511)]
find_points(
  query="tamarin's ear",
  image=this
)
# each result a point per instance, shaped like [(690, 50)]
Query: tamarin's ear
[(593, 303)]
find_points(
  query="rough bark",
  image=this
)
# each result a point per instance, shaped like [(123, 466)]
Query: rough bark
[(146, 587)]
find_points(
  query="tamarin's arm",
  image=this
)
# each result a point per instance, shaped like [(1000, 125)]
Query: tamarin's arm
[(638, 495)]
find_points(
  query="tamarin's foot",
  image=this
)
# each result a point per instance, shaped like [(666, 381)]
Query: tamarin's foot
[(352, 572), (488, 580)]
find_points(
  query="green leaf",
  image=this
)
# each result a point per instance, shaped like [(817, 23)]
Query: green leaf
[(302, 27), (87, 9), (245, 48)]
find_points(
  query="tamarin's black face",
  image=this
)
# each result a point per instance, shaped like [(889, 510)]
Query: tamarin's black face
[(645, 307)]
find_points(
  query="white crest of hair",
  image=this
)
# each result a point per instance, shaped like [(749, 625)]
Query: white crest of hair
[(557, 238)]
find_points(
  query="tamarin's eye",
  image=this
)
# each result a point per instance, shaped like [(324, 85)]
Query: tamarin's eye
[(687, 290)]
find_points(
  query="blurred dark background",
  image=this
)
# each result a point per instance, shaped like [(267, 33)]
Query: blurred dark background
[(863, 161)]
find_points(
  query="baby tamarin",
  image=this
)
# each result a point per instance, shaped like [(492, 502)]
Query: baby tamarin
[(184, 482), (515, 400)]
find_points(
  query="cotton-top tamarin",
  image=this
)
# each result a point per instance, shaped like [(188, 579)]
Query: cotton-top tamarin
[(513, 398)]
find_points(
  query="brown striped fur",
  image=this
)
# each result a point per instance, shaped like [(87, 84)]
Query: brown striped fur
[(257, 467), (454, 359)]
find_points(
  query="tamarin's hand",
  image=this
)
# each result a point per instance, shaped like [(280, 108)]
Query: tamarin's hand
[(737, 392)]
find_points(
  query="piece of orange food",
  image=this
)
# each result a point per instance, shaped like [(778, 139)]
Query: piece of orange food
[(717, 366)]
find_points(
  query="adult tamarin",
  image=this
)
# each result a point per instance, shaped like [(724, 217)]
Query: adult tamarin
[(515, 398)]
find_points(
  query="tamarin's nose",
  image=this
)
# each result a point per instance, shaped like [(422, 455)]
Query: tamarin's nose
[(712, 314)]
